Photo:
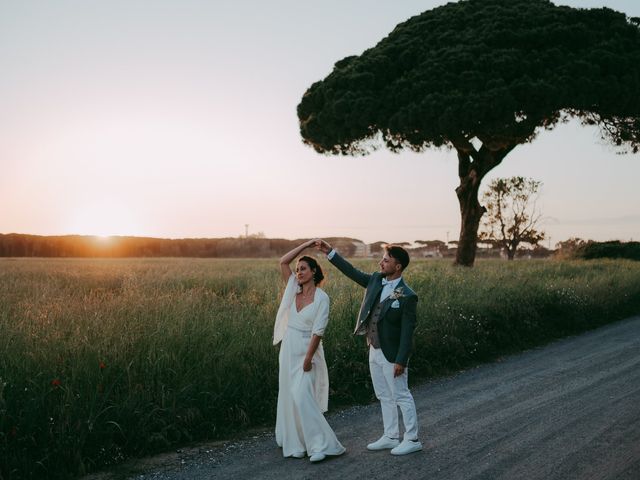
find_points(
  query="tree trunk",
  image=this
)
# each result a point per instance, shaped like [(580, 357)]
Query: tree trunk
[(511, 253), (470, 214), (473, 165)]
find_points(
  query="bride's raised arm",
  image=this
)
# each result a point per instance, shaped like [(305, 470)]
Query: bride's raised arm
[(288, 257)]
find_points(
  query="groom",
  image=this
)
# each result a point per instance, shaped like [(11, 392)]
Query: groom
[(387, 317)]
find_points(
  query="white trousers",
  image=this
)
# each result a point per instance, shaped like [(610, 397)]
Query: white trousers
[(393, 392)]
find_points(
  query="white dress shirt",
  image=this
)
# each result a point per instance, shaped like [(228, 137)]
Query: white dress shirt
[(388, 287)]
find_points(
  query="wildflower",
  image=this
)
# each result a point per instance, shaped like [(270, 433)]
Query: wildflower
[(102, 366), (56, 382)]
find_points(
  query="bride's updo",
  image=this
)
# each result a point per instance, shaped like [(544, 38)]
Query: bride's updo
[(318, 275)]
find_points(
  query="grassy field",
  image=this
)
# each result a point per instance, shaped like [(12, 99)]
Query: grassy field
[(105, 359)]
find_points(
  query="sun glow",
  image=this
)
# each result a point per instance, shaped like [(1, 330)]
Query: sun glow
[(103, 220), (102, 239)]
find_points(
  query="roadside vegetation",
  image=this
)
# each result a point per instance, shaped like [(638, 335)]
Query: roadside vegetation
[(105, 359)]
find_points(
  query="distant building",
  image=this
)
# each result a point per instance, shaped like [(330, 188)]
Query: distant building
[(432, 252), (361, 249)]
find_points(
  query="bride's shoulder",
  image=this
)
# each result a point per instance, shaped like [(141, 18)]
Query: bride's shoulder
[(322, 295)]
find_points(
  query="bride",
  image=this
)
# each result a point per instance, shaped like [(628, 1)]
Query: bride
[(303, 380)]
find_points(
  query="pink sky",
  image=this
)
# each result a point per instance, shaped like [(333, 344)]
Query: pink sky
[(177, 119)]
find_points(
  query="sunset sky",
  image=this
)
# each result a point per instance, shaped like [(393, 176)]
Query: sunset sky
[(178, 119)]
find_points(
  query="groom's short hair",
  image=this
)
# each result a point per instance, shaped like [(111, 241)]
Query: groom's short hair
[(399, 253)]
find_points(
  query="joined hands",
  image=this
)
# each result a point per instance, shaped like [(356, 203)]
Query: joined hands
[(323, 246)]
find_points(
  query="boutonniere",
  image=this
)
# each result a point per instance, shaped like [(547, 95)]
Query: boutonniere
[(397, 293)]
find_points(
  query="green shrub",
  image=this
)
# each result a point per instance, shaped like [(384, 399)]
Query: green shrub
[(612, 249)]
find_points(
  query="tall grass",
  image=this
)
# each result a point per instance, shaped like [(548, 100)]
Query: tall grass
[(105, 359)]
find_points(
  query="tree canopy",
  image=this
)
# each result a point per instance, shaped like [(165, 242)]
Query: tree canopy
[(496, 70), (482, 77)]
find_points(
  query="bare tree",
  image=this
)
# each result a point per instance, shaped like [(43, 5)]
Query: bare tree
[(512, 215)]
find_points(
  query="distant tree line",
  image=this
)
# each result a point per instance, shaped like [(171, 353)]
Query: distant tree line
[(21, 245)]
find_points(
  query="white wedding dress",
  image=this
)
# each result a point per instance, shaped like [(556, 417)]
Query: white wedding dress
[(303, 396)]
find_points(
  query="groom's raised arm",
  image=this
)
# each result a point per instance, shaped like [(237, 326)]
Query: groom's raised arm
[(341, 264), (358, 276)]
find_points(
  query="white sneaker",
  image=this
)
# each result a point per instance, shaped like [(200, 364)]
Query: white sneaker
[(383, 443), (407, 446)]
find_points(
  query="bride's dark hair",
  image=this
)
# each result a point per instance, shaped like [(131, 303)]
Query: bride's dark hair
[(318, 275)]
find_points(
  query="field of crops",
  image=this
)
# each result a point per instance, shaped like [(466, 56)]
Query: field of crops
[(104, 359)]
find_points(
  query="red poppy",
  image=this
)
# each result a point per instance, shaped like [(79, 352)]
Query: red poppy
[(56, 382), (102, 366)]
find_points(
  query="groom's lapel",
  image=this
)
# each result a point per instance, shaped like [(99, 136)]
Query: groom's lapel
[(385, 306), (375, 294)]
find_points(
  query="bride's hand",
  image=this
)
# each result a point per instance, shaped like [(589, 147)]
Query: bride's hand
[(306, 366)]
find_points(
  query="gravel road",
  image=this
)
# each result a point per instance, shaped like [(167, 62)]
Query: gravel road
[(569, 410)]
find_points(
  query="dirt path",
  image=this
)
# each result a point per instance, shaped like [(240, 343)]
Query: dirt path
[(570, 410)]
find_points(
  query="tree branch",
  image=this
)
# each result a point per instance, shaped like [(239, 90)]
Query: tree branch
[(467, 156)]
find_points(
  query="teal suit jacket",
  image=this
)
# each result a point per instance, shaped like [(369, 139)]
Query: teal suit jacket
[(396, 325)]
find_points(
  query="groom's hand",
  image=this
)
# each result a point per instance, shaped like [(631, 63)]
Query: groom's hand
[(323, 246), (398, 370)]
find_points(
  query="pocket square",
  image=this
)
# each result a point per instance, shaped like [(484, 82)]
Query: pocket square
[(395, 304)]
